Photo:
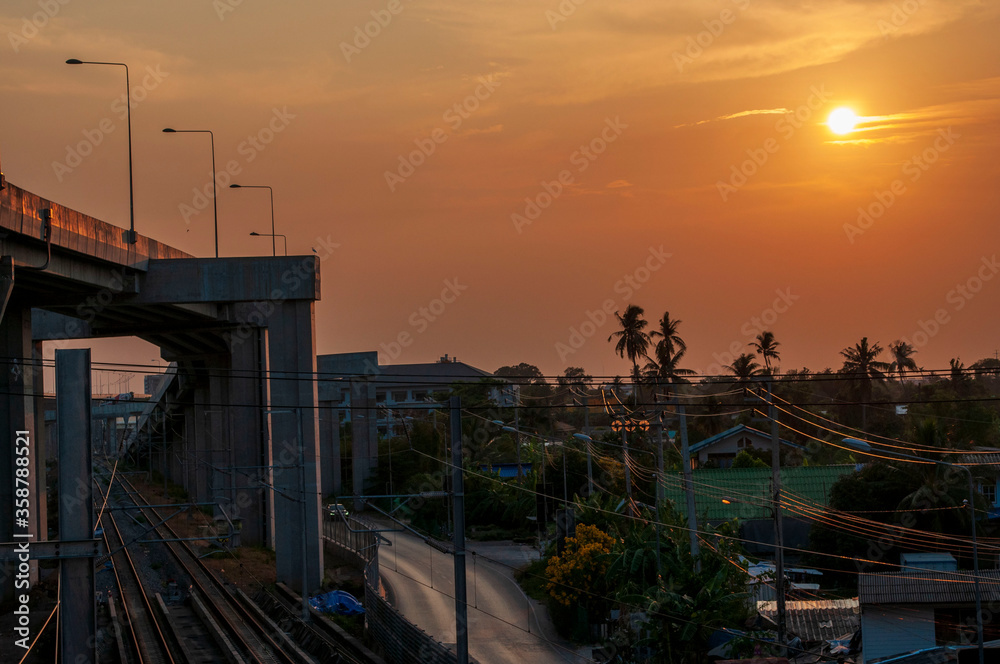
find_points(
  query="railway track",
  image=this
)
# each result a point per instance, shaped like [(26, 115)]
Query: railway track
[(147, 643), (248, 635)]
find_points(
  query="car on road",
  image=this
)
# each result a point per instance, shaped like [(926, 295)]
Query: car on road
[(337, 509)]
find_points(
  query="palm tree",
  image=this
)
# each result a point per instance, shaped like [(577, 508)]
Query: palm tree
[(745, 368), (902, 360), (669, 341), (862, 364), (768, 349), (633, 341), (664, 366)]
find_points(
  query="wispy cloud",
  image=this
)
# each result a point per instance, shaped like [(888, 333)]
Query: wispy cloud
[(741, 114)]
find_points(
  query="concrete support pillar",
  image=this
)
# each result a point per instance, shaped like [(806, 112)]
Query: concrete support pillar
[(78, 613), (329, 441), (294, 449), (248, 442), (364, 435), (40, 509), (17, 413)]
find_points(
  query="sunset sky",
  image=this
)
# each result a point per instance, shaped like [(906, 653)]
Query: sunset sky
[(515, 167)]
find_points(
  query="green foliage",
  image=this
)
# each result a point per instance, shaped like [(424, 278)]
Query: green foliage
[(750, 459)]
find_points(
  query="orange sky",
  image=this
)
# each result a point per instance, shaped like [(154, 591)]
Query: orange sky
[(676, 97)]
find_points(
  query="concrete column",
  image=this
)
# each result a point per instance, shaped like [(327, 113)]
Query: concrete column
[(78, 614), (248, 443), (294, 431), (329, 437), (40, 509), (17, 413), (364, 435)]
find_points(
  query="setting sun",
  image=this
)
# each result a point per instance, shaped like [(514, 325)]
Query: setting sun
[(842, 120)]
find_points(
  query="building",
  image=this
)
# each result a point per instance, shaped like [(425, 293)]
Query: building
[(926, 605), (403, 387), (719, 450)]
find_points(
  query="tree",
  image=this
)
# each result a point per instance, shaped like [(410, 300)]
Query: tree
[(664, 367), (575, 377), (670, 341), (766, 345), (902, 360), (862, 365), (575, 575), (633, 341), (744, 367)]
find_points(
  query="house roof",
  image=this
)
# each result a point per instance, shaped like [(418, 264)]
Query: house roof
[(750, 489), (431, 373), (931, 587), (816, 620), (738, 429)]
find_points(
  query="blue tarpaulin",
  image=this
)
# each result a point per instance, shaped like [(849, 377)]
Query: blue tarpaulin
[(337, 601)]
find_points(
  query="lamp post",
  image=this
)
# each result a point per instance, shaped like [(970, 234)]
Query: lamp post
[(274, 250), (129, 236), (517, 440), (272, 235), (215, 197), (866, 448)]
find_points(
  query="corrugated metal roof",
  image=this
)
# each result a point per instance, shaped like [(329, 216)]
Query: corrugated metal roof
[(750, 489), (930, 587), (816, 620)]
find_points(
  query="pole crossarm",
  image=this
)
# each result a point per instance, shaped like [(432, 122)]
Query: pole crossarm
[(52, 550)]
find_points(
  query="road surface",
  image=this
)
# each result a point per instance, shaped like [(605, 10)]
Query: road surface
[(505, 626)]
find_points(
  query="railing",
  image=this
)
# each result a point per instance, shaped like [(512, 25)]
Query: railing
[(401, 641)]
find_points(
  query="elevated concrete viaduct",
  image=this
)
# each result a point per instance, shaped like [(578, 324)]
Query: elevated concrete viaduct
[(242, 409)]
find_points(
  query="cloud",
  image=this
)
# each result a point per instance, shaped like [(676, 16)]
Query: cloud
[(741, 114)]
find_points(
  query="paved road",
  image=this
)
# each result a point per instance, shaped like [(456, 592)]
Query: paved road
[(505, 626)]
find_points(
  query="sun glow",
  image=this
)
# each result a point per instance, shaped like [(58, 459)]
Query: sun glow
[(842, 120)]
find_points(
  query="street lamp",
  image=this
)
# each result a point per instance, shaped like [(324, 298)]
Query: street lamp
[(517, 439), (272, 235), (866, 448), (129, 236), (215, 198), (274, 251)]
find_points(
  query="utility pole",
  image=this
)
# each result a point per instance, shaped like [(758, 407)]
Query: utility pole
[(586, 432), (779, 552), (689, 486), (458, 500), (659, 486)]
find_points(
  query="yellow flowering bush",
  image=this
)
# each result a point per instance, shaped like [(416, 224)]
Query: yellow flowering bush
[(583, 561)]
